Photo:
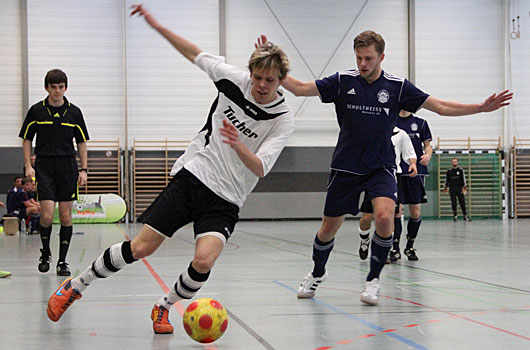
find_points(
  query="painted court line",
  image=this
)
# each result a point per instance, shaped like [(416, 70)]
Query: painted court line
[(467, 319), (358, 319), (181, 309)]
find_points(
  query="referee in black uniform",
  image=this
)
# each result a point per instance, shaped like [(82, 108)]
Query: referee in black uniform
[(455, 180), (56, 122)]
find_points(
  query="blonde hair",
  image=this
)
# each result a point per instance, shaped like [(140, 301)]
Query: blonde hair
[(269, 57), (368, 38)]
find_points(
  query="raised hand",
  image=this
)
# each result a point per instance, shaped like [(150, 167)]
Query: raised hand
[(141, 11), (496, 101), (261, 41)]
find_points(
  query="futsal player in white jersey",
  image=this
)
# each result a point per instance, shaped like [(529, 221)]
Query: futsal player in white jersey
[(367, 101), (247, 128), (404, 150)]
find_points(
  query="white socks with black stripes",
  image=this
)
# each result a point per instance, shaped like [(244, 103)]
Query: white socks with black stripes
[(188, 284), (108, 263)]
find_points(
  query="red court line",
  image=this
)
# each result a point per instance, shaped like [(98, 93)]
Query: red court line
[(367, 336), (467, 319), (345, 341)]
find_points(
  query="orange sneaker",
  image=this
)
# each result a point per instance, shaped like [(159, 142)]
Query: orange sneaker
[(63, 297), (161, 324)]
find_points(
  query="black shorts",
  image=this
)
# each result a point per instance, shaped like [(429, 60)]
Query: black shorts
[(57, 178), (345, 189), (186, 199), (367, 207), (411, 190)]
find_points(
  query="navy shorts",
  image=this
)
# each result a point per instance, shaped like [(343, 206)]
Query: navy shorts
[(56, 178), (411, 190), (186, 199), (368, 208), (344, 190)]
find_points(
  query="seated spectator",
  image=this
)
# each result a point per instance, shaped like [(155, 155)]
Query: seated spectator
[(19, 205), (17, 186)]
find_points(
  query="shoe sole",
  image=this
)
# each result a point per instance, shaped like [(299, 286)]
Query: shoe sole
[(304, 296), (51, 315), (369, 302)]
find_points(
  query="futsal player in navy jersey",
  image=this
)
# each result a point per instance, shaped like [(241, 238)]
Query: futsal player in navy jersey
[(411, 190), (367, 102)]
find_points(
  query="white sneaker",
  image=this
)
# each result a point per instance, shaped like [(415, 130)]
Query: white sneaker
[(309, 285), (370, 294)]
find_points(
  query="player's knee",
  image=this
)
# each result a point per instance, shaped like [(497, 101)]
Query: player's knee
[(141, 249), (46, 220), (384, 219), (203, 262)]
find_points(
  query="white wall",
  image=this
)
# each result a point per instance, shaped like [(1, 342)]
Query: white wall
[(460, 57), (168, 96), (84, 39), (518, 70), (10, 74), (318, 37)]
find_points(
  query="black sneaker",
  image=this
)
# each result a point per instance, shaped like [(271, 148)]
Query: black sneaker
[(394, 256), (411, 254), (62, 269), (467, 218), (363, 249), (455, 218), (44, 261)]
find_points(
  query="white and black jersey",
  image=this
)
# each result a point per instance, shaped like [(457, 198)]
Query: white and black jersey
[(402, 147), (263, 128)]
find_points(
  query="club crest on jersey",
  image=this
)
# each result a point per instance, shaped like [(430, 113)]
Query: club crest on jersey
[(383, 96), (414, 127)]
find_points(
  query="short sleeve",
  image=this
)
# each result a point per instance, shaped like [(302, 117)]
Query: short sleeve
[(81, 131), (329, 88), (411, 98), (29, 127), (425, 132)]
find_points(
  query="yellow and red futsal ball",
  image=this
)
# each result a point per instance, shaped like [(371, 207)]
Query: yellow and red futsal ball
[(205, 320)]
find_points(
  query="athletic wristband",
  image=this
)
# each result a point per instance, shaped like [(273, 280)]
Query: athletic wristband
[(84, 169)]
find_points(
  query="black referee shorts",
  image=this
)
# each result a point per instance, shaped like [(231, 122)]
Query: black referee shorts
[(186, 199), (57, 178)]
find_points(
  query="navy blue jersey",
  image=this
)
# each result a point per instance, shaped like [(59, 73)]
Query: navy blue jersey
[(16, 201), (418, 130), (366, 114)]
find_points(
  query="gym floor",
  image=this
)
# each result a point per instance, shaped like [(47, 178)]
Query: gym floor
[(469, 290)]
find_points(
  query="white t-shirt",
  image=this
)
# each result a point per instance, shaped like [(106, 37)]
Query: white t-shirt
[(402, 147), (263, 128)]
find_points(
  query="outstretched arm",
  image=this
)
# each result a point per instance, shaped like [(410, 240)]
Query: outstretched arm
[(185, 47), (451, 108), (295, 86)]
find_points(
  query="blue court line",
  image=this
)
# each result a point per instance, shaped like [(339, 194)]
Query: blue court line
[(357, 319)]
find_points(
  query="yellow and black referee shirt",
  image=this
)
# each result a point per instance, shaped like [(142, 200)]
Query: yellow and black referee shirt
[(55, 128)]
